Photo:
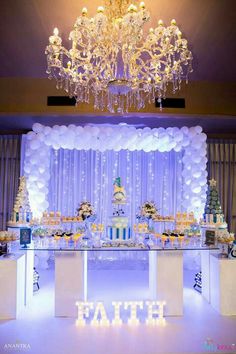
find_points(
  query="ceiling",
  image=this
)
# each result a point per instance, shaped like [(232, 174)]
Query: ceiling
[(212, 125), (209, 26)]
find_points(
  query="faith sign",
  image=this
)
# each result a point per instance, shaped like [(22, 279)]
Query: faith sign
[(154, 310)]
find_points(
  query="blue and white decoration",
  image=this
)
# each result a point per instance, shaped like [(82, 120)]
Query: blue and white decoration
[(189, 145)]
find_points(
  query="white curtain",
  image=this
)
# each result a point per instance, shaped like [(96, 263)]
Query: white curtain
[(10, 146), (88, 175), (222, 167)]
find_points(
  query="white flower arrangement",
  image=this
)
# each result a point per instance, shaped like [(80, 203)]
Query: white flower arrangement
[(85, 210), (148, 211)]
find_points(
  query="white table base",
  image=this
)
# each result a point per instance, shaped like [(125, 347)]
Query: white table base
[(223, 285), (166, 280), (12, 280), (70, 281), (205, 267)]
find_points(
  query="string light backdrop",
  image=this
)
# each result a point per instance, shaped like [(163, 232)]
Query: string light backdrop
[(89, 175)]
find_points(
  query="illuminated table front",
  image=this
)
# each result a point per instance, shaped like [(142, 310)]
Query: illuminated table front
[(165, 277), (70, 282), (12, 280), (222, 285)]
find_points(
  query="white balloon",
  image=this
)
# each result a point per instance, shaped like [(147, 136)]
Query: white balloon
[(178, 136), (72, 127), (47, 130), (198, 129), (192, 132), (202, 181), (94, 131), (48, 142), (170, 131), (188, 180), (37, 127), (40, 184), (196, 158), (185, 130), (202, 152), (42, 169), (32, 178), (177, 148), (185, 141), (196, 202), (197, 174), (146, 129), (27, 168), (203, 137), (30, 135), (56, 128), (62, 130), (196, 188), (164, 139), (56, 146), (160, 130)]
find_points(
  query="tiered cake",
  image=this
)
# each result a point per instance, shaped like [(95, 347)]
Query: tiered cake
[(119, 230), (21, 214)]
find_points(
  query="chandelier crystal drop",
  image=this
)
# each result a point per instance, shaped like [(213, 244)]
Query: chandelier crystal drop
[(113, 61)]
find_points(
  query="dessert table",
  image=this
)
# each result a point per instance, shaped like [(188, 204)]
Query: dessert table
[(71, 280), (165, 268)]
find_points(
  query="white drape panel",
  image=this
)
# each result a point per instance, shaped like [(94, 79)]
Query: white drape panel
[(222, 167), (10, 146), (89, 175)]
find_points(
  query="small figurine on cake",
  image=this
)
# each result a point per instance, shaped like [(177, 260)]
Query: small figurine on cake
[(119, 195)]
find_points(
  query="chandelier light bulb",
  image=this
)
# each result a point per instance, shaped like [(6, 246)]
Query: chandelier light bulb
[(84, 11), (115, 62), (142, 5), (100, 9), (55, 31), (132, 8)]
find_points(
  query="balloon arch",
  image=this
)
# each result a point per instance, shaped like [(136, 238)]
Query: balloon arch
[(40, 141)]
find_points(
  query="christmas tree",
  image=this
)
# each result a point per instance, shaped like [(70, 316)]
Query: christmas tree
[(213, 212), (21, 211)]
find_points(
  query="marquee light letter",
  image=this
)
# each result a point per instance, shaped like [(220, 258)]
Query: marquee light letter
[(151, 320), (100, 310), (133, 320), (117, 320), (83, 311)]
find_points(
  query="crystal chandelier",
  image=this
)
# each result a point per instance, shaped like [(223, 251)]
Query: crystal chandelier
[(113, 61)]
